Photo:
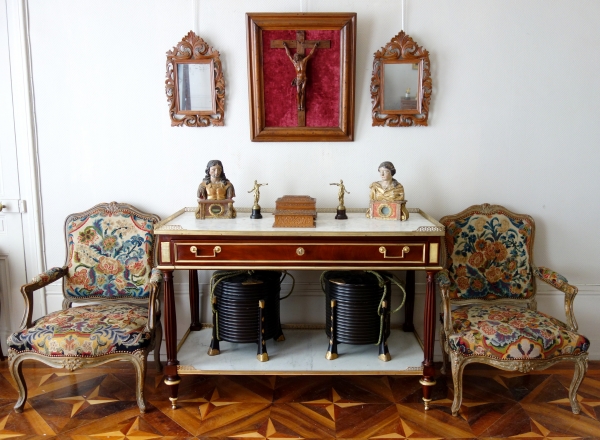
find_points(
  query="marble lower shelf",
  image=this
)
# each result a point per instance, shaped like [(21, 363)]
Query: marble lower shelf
[(302, 352)]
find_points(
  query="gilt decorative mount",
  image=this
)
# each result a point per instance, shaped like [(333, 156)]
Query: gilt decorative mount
[(401, 84), (195, 86)]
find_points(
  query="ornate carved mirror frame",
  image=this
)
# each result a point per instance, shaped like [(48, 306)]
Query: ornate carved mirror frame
[(195, 86), (410, 110)]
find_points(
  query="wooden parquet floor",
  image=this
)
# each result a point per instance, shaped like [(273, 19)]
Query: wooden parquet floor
[(100, 403)]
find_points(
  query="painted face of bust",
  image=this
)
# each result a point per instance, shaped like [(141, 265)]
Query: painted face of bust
[(215, 173), (386, 175)]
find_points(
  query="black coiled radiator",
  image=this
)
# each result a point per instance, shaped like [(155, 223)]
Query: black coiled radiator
[(358, 309), (246, 308)]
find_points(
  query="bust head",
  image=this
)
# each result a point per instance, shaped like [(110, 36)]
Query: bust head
[(387, 165), (214, 171), (387, 171)]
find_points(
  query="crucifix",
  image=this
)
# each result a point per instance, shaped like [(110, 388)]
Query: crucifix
[(300, 61)]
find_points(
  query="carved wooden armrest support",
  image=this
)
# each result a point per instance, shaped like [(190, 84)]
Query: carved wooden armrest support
[(154, 286), (156, 277), (443, 278), (42, 280), (559, 282)]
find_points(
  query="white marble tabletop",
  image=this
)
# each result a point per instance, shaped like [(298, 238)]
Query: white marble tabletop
[(357, 224)]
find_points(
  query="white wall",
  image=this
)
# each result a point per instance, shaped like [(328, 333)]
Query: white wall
[(513, 120)]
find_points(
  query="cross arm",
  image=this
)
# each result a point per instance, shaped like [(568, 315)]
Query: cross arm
[(278, 44)]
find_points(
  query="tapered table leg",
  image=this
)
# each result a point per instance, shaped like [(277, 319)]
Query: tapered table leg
[(409, 305), (172, 379), (195, 324), (428, 379)]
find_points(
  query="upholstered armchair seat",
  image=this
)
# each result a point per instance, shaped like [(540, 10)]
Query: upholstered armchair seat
[(86, 331), (111, 304), (511, 332), (488, 293)]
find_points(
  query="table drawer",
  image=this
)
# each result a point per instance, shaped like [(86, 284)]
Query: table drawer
[(219, 251)]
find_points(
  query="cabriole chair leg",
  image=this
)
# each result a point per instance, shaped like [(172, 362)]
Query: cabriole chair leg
[(581, 365), (457, 375), (16, 370)]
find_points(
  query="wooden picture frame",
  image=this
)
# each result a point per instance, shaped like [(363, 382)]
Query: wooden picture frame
[(321, 108), (401, 56), (195, 86)]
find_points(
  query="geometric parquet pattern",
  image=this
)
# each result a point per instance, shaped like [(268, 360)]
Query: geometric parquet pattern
[(99, 403)]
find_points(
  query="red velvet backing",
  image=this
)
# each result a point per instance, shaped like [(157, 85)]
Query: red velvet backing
[(322, 87)]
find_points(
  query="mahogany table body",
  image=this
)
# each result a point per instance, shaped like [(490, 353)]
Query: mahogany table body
[(358, 243)]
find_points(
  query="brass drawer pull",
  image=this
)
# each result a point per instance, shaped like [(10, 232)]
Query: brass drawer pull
[(300, 251), (383, 250), (216, 250)]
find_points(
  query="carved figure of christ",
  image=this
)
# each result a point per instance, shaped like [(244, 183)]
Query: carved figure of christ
[(300, 61)]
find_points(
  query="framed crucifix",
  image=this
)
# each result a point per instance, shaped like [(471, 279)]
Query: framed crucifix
[(301, 76)]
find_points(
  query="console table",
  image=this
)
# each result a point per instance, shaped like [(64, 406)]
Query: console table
[(358, 243)]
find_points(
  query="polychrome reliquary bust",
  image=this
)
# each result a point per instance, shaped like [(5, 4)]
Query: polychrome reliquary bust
[(386, 196)]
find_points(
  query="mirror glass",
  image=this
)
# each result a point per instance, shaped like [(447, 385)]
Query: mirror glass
[(401, 86), (195, 86)]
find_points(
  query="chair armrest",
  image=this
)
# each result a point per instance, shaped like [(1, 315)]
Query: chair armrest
[(559, 282), (154, 286), (42, 280)]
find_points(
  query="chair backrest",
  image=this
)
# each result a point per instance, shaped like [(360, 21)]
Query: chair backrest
[(489, 252), (109, 253)]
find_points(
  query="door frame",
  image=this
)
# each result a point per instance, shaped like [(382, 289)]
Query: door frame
[(26, 144)]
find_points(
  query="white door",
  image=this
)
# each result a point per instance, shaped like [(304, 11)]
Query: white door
[(12, 252)]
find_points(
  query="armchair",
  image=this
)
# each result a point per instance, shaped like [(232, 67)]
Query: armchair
[(488, 300), (108, 274)]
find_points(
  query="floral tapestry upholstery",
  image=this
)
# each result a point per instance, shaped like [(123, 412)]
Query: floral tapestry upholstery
[(555, 279), (86, 331), (489, 256), (110, 255), (511, 332)]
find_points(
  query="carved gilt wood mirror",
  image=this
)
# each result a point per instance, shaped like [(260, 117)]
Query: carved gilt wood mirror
[(195, 86), (401, 84)]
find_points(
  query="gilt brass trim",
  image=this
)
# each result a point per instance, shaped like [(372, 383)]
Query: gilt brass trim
[(434, 252), (294, 265), (300, 251), (183, 339), (385, 357), (194, 250), (405, 250), (165, 252)]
